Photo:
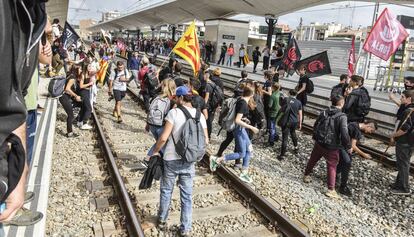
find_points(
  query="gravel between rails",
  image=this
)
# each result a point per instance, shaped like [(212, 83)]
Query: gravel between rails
[(68, 211)]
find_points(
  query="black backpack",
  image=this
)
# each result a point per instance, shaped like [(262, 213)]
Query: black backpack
[(363, 103), (337, 90), (309, 86), (151, 80), (283, 115), (56, 86), (324, 130), (216, 97)]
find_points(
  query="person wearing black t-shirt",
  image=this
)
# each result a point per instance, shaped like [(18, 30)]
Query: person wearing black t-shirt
[(301, 87), (243, 146), (408, 85), (345, 159)]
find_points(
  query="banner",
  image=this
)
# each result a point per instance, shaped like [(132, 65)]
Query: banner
[(316, 65), (291, 56), (351, 59), (386, 35), (69, 36), (188, 48)]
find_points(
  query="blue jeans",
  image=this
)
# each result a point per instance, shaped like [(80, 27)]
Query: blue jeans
[(273, 136), (30, 133), (156, 133), (242, 147), (185, 172), (229, 61)]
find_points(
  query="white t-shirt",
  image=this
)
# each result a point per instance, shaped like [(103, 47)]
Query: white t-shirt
[(118, 85), (177, 118)]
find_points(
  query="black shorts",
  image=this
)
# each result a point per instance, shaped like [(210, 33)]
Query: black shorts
[(119, 95)]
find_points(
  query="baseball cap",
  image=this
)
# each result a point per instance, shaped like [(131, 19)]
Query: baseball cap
[(182, 90)]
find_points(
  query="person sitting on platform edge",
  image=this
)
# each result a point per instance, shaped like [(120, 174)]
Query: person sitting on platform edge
[(176, 166)]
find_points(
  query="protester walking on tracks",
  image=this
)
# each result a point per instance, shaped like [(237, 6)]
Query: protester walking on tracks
[(404, 138), (117, 87), (341, 87), (85, 85), (180, 162), (274, 107), (149, 82), (133, 66), (213, 96), (330, 134), (345, 159), (243, 148), (304, 87), (159, 108), (408, 85), (358, 101), (289, 118)]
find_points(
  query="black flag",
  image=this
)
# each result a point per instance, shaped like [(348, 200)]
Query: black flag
[(292, 55), (69, 36), (316, 65)]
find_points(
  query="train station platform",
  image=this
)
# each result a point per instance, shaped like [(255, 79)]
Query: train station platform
[(40, 170)]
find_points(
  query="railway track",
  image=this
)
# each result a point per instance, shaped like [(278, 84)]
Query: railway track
[(222, 204)]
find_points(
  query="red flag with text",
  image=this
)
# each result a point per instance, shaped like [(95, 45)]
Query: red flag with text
[(386, 35), (351, 59)]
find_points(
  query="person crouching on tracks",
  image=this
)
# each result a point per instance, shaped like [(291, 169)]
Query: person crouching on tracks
[(177, 121), (330, 133), (243, 146), (345, 159), (404, 138), (159, 108), (117, 87)]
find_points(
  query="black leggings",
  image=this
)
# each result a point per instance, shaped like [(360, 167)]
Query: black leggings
[(210, 122), (66, 102), (86, 108), (225, 144)]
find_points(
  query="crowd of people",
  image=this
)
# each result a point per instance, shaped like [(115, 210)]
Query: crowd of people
[(181, 113)]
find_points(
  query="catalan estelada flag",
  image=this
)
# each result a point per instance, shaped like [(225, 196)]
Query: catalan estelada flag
[(188, 49), (103, 67)]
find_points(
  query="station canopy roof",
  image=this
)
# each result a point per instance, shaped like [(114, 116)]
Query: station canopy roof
[(154, 13)]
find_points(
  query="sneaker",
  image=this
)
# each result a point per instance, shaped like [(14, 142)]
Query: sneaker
[(213, 163), (400, 192), (162, 225), (344, 190), (86, 127), (307, 179), (332, 194), (246, 178), (270, 144), (119, 119), (25, 217), (28, 197), (71, 134), (281, 157), (79, 124)]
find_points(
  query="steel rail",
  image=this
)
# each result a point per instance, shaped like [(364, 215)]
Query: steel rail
[(132, 223)]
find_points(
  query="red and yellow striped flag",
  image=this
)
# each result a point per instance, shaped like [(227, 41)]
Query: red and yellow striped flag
[(188, 48)]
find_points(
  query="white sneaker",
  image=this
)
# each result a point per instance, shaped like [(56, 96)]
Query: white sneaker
[(86, 127), (79, 124)]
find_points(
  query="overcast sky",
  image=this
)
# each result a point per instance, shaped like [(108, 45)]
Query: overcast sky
[(347, 12)]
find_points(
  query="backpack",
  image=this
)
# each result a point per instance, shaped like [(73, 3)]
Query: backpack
[(116, 73), (56, 86), (217, 97), (309, 86), (324, 131), (159, 107), (283, 115), (364, 103), (151, 79), (228, 114), (191, 145)]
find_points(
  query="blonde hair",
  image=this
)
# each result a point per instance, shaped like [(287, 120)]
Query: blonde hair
[(168, 88), (217, 71)]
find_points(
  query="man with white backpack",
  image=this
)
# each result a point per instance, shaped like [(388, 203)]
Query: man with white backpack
[(185, 138)]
